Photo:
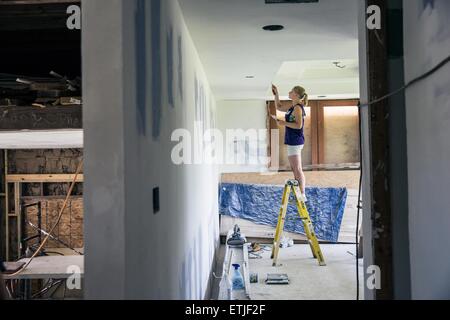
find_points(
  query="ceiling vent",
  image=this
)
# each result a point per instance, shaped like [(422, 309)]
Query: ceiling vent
[(290, 1), (273, 27)]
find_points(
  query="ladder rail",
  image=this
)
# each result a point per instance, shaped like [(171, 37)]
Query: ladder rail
[(280, 224), (292, 186), (309, 228)]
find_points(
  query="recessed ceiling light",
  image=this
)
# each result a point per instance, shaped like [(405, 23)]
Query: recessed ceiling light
[(250, 77), (273, 27), (290, 1)]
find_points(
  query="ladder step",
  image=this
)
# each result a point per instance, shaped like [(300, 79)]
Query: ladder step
[(307, 224)]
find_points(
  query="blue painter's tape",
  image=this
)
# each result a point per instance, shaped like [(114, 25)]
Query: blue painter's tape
[(180, 66), (141, 68), (170, 69), (156, 67)]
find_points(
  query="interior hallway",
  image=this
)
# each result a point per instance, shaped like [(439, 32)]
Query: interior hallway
[(151, 67)]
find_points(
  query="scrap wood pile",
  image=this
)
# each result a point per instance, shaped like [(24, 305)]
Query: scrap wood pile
[(55, 90)]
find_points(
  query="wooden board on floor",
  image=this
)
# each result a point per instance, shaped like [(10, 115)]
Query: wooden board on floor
[(253, 230), (324, 179)]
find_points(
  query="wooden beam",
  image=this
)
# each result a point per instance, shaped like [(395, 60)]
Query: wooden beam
[(7, 249), (41, 2), (45, 178), (32, 118), (321, 133), (269, 140), (314, 133), (339, 103), (378, 66), (17, 194)]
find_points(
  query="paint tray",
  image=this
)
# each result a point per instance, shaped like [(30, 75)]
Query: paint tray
[(277, 279)]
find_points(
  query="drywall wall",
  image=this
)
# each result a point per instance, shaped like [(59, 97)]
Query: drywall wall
[(427, 42), (104, 142), (244, 115), (144, 82)]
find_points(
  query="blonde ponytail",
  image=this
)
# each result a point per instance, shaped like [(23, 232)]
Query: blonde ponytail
[(305, 100), (302, 94)]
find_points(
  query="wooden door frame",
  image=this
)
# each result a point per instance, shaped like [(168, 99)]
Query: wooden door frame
[(321, 104)]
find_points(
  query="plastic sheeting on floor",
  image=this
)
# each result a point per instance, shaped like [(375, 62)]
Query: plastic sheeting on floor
[(261, 204)]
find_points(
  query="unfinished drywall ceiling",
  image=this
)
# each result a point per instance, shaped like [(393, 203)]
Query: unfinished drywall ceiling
[(323, 79), (232, 45)]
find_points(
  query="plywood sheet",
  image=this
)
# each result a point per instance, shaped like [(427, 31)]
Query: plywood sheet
[(325, 179), (70, 228)]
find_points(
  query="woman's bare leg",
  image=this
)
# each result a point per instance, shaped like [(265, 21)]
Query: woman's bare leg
[(296, 165)]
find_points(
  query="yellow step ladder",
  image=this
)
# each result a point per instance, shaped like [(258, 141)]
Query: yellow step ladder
[(293, 186)]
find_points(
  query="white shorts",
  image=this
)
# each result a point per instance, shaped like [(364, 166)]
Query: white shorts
[(295, 150)]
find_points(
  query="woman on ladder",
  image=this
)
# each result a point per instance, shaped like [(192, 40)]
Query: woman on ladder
[(294, 120)]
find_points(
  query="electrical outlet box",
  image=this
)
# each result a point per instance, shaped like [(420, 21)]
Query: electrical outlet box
[(156, 206)]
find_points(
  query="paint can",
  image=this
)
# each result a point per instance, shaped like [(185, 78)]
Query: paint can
[(253, 277)]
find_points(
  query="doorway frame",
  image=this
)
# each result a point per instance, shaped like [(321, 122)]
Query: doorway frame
[(385, 166)]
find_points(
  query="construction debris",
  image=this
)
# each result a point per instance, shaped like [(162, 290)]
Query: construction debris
[(286, 242), (17, 90), (255, 247)]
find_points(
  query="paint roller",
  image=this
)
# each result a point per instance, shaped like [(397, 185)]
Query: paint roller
[(236, 239)]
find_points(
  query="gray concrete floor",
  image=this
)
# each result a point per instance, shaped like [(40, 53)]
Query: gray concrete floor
[(308, 281)]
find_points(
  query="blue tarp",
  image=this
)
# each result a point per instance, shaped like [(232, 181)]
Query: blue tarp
[(261, 204)]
